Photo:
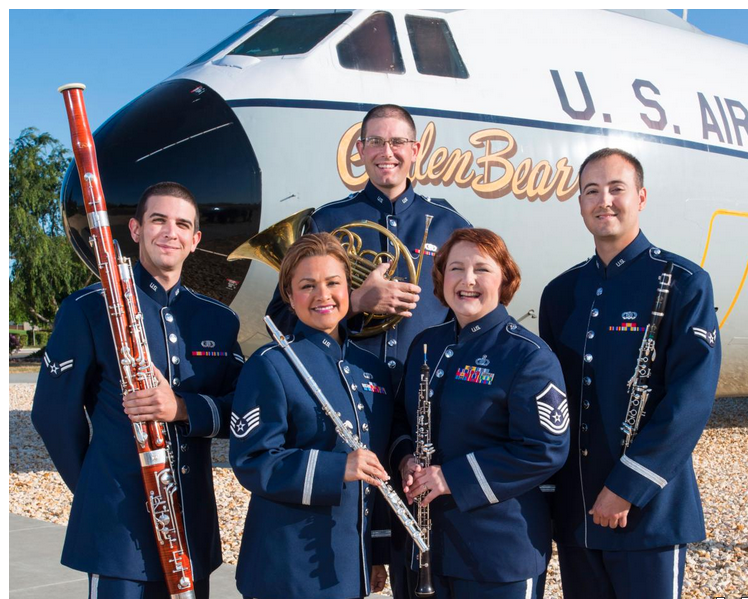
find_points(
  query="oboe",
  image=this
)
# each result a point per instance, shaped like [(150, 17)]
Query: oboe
[(638, 387), (347, 435), (133, 356), (423, 452)]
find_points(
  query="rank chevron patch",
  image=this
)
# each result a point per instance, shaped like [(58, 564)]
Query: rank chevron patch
[(709, 336), (241, 426), (57, 368), (553, 409)]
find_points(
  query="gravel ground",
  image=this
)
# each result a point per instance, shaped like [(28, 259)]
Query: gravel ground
[(717, 567)]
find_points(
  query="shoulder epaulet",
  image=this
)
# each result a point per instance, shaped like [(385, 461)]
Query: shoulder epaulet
[(210, 300), (660, 255), (520, 332), (350, 197), (85, 292), (442, 203)]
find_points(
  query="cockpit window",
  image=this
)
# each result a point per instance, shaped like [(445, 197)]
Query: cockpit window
[(372, 46), (290, 35), (434, 48), (229, 41)]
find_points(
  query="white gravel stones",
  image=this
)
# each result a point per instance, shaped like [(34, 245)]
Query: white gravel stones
[(716, 567)]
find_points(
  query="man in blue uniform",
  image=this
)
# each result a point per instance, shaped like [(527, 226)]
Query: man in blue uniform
[(388, 150), (193, 345), (622, 521)]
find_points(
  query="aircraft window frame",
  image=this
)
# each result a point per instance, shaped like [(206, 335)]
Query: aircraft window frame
[(230, 40), (438, 56), (362, 40), (301, 33)]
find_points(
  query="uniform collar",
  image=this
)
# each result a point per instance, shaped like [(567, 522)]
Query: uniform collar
[(480, 326), (621, 261), (153, 289), (384, 204), (322, 340)]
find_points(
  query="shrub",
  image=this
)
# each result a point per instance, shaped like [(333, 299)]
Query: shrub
[(15, 343)]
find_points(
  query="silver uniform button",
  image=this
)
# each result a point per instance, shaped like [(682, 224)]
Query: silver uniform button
[(512, 326), (173, 338), (392, 342), (587, 381), (168, 317), (599, 291), (364, 427), (595, 312), (584, 427), (184, 447), (185, 469), (175, 359), (367, 490), (360, 406), (354, 386), (393, 223), (346, 370), (449, 353), (439, 373), (431, 393), (588, 358), (175, 382), (590, 334), (656, 251), (366, 512), (392, 363)]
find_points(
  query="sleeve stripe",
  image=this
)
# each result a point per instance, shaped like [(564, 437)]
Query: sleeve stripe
[(481, 478), (645, 472), (311, 465), (214, 413)]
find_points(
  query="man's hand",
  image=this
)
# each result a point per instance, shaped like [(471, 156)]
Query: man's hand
[(378, 578), (408, 467), (158, 403), (610, 509), (378, 295)]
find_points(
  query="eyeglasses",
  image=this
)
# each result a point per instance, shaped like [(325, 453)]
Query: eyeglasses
[(396, 143)]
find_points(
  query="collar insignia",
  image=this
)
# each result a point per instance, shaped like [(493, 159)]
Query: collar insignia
[(475, 329), (620, 262), (153, 286), (326, 342)]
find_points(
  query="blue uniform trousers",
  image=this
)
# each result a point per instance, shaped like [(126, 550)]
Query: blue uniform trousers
[(106, 587), (448, 587), (648, 574)]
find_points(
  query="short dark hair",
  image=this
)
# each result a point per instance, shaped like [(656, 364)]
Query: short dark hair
[(385, 111), (490, 244), (606, 153), (167, 188), (307, 246)]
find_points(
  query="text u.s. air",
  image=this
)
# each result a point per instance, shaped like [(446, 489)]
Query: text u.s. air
[(507, 105)]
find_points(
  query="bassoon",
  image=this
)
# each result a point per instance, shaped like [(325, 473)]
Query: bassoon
[(133, 356), (638, 385), (424, 450)]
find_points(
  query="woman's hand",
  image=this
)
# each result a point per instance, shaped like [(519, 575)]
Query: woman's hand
[(429, 480), (378, 578), (364, 465)]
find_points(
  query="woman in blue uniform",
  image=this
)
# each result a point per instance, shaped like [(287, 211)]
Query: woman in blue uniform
[(499, 428), (307, 528)]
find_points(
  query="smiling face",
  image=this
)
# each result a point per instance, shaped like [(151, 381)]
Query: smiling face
[(166, 236), (472, 283), (319, 293), (610, 203), (388, 169)]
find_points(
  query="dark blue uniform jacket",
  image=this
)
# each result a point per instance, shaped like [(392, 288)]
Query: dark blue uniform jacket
[(307, 531), (110, 531), (594, 318), (499, 427), (406, 218)]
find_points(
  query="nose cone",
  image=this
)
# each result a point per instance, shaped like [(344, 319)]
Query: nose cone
[(185, 132)]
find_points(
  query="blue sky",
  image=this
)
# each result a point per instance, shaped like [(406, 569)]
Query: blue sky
[(119, 54)]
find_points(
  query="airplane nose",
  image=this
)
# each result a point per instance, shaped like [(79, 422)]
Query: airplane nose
[(180, 131)]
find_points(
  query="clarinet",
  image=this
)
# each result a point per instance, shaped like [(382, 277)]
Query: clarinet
[(134, 358), (344, 430), (638, 387), (423, 452)]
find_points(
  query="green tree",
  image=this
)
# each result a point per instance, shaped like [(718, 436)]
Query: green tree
[(44, 269)]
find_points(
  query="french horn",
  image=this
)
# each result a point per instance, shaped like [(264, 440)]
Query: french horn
[(272, 244)]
